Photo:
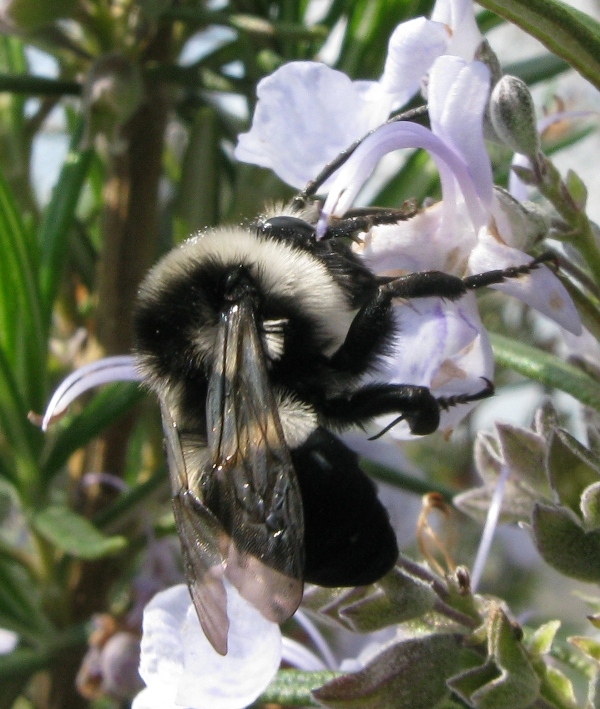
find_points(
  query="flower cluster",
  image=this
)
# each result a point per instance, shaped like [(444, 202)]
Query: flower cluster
[(307, 113)]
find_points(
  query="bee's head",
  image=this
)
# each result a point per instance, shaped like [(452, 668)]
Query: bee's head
[(292, 229)]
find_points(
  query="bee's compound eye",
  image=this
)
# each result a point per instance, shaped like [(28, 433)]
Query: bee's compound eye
[(286, 227)]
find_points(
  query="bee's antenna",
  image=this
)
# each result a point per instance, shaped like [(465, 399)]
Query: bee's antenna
[(313, 185)]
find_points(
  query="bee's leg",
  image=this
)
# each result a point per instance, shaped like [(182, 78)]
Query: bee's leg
[(414, 404), (370, 330), (364, 219), (424, 284)]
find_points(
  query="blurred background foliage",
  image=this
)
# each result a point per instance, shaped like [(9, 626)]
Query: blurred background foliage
[(151, 95)]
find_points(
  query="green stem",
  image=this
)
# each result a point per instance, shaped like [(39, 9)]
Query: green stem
[(38, 85), (294, 688), (546, 369), (406, 482), (552, 186), (26, 662), (588, 308), (251, 24)]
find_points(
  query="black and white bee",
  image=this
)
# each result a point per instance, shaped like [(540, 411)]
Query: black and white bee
[(257, 340)]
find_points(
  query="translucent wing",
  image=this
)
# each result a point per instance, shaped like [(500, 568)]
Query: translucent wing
[(238, 510), (203, 542)]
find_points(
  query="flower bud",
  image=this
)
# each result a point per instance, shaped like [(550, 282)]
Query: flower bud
[(487, 55), (110, 666), (113, 92), (513, 116), (529, 223)]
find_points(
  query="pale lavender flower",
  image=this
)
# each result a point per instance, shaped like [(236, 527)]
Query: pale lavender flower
[(8, 641), (307, 112), (298, 124), (103, 371), (182, 669), (444, 345), (178, 664)]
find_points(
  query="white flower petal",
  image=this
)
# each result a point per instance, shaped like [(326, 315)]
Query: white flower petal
[(489, 530), (317, 638), (540, 289), (162, 651), (103, 371), (458, 351), (458, 96), (584, 346), (8, 641), (238, 678), (182, 669), (153, 698), (516, 187), (459, 16), (412, 49), (423, 243), (301, 657), (394, 136), (306, 114)]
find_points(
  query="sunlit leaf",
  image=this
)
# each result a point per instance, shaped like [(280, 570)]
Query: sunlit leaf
[(507, 680), (74, 534), (567, 32), (572, 469), (21, 329), (564, 544), (412, 674), (53, 234)]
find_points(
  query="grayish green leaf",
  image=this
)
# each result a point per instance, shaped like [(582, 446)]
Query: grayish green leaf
[(571, 468), (400, 597), (566, 32), (564, 544), (75, 535), (408, 674)]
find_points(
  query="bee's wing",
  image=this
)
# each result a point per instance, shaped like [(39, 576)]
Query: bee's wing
[(252, 489), (237, 503), (202, 541)]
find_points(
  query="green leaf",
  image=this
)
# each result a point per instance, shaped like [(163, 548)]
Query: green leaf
[(400, 597), (53, 234), (546, 369), (517, 502), (411, 674), (572, 469), (565, 31), (405, 481), (38, 85), (74, 534), (20, 604), (20, 434), (31, 15), (197, 202), (590, 506), (594, 691), (565, 545), (537, 69), (558, 689), (22, 335), (541, 640), (294, 688), (524, 452), (589, 646), (24, 662), (507, 680), (577, 189), (103, 410)]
